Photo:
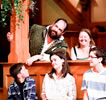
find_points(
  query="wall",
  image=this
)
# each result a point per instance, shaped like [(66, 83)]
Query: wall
[(51, 11), (98, 13)]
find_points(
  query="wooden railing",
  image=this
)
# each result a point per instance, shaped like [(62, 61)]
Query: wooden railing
[(38, 71)]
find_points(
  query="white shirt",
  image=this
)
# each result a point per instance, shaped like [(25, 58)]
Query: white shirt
[(64, 88)]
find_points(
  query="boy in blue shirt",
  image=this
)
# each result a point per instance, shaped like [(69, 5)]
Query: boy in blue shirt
[(23, 87)]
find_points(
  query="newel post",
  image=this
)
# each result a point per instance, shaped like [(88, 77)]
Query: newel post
[(19, 47)]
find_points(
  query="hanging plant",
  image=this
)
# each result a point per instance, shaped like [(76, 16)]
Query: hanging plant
[(6, 10), (18, 9)]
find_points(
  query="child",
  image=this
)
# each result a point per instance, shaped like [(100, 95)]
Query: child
[(23, 87), (94, 80)]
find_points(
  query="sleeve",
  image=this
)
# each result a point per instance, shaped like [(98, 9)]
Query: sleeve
[(84, 83), (33, 91), (9, 94), (44, 84), (72, 90), (34, 29), (46, 57)]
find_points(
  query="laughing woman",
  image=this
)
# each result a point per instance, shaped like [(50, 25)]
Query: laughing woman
[(59, 84), (81, 51)]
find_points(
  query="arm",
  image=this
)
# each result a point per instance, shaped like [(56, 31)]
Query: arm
[(85, 97), (84, 87), (30, 60), (72, 54), (72, 90), (43, 94), (10, 96), (46, 57), (33, 95)]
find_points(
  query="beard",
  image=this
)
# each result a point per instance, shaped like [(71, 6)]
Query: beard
[(53, 34)]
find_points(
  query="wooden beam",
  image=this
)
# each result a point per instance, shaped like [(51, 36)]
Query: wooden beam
[(19, 47), (70, 10)]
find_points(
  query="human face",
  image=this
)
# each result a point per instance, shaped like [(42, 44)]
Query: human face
[(57, 62), (94, 61), (24, 72), (84, 39), (57, 29)]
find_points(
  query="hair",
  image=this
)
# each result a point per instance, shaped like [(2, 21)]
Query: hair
[(65, 66), (64, 21), (99, 52), (15, 69), (92, 43)]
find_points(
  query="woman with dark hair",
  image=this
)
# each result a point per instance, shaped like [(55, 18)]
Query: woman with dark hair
[(85, 43), (59, 84)]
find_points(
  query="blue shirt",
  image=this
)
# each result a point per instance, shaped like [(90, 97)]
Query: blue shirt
[(29, 92)]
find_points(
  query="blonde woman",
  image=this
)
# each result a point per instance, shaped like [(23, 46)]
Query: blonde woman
[(81, 51)]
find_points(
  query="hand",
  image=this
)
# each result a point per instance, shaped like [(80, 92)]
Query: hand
[(43, 96), (32, 59), (9, 36)]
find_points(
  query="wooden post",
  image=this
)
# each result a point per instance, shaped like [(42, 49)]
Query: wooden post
[(19, 47)]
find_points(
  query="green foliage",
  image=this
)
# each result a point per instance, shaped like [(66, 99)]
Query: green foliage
[(7, 10), (18, 9)]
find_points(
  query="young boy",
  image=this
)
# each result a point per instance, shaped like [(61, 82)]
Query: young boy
[(23, 87), (94, 80)]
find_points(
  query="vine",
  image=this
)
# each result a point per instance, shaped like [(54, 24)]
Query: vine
[(6, 10)]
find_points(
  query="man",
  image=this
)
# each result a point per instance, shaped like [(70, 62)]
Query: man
[(44, 40), (23, 87), (94, 80)]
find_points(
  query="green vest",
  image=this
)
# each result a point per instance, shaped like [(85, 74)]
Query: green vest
[(37, 38)]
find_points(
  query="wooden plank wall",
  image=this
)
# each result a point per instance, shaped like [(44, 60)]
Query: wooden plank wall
[(38, 71)]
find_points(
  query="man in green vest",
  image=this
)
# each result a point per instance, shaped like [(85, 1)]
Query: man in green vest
[(44, 40)]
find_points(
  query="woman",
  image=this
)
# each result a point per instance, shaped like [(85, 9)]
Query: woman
[(81, 51), (59, 84)]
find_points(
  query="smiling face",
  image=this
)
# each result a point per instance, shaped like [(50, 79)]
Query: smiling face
[(57, 29), (84, 39), (57, 62)]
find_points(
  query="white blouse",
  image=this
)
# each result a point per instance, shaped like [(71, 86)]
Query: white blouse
[(64, 88)]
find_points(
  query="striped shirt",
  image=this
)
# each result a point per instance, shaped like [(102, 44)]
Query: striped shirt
[(95, 84)]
